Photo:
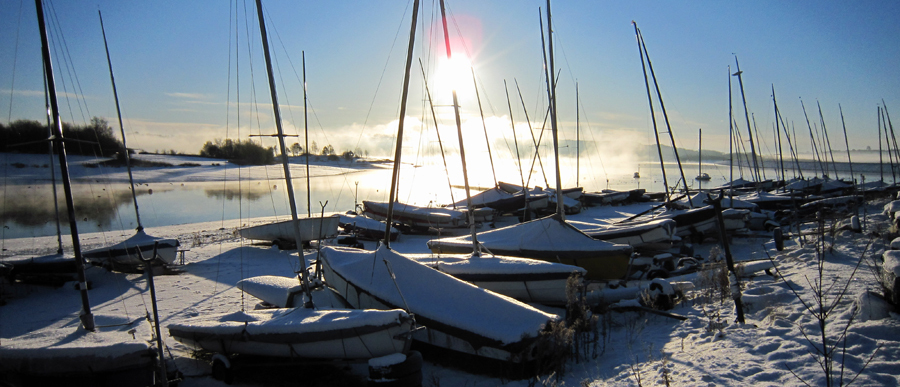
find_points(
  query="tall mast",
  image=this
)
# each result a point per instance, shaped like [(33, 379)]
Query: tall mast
[(730, 137), (438, 132), (512, 124), (778, 133), (700, 151), (847, 144), (812, 139), (284, 158), (887, 141), (462, 148), (577, 140), (747, 116), (880, 152), (652, 112), (403, 98), (534, 141), (59, 248), (87, 318), (662, 106), (306, 138), (762, 161), (112, 79), (828, 141), (484, 125), (553, 117)]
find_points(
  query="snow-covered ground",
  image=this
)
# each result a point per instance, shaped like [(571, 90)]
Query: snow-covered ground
[(635, 349)]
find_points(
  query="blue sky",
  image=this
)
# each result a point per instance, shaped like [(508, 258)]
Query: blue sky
[(172, 61)]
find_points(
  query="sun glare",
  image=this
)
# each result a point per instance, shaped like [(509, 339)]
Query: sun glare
[(454, 74)]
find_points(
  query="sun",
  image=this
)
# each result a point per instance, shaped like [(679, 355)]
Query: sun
[(454, 74)]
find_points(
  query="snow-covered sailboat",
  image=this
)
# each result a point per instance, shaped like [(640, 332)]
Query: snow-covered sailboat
[(282, 233), (303, 332)]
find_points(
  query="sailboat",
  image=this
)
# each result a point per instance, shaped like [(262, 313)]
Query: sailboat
[(305, 331), (459, 317), (127, 255), (93, 354)]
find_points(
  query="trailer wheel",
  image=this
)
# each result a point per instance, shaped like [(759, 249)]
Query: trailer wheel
[(778, 236), (221, 369)]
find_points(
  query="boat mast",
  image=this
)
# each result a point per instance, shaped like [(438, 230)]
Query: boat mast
[(397, 152), (730, 137), (700, 152), (662, 107), (306, 138), (512, 124), (747, 116), (847, 144), (778, 134), (484, 124), (652, 112), (551, 92), (812, 139), (112, 79), (887, 142), (59, 248), (880, 152), (462, 149), (577, 140), (535, 141), (284, 158), (87, 318), (438, 131), (827, 141)]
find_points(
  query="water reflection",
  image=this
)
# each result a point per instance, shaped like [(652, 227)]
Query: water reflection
[(235, 191), (27, 210)]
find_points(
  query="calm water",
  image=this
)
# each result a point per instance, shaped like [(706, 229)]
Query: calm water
[(27, 210)]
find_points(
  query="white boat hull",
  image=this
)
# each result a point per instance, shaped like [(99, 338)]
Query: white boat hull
[(127, 254), (310, 229), (545, 282), (255, 338)]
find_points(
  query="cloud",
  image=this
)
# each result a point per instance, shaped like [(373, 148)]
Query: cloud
[(188, 95)]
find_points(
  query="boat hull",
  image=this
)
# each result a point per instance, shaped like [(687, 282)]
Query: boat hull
[(310, 229), (126, 256), (343, 343), (524, 279)]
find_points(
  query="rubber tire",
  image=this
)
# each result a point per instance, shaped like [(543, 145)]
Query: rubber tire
[(222, 372), (778, 237), (657, 273), (411, 365)]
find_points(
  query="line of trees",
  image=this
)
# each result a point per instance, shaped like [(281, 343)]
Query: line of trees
[(244, 152), (93, 139)]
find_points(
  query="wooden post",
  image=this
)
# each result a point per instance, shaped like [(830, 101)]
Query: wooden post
[(732, 277)]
